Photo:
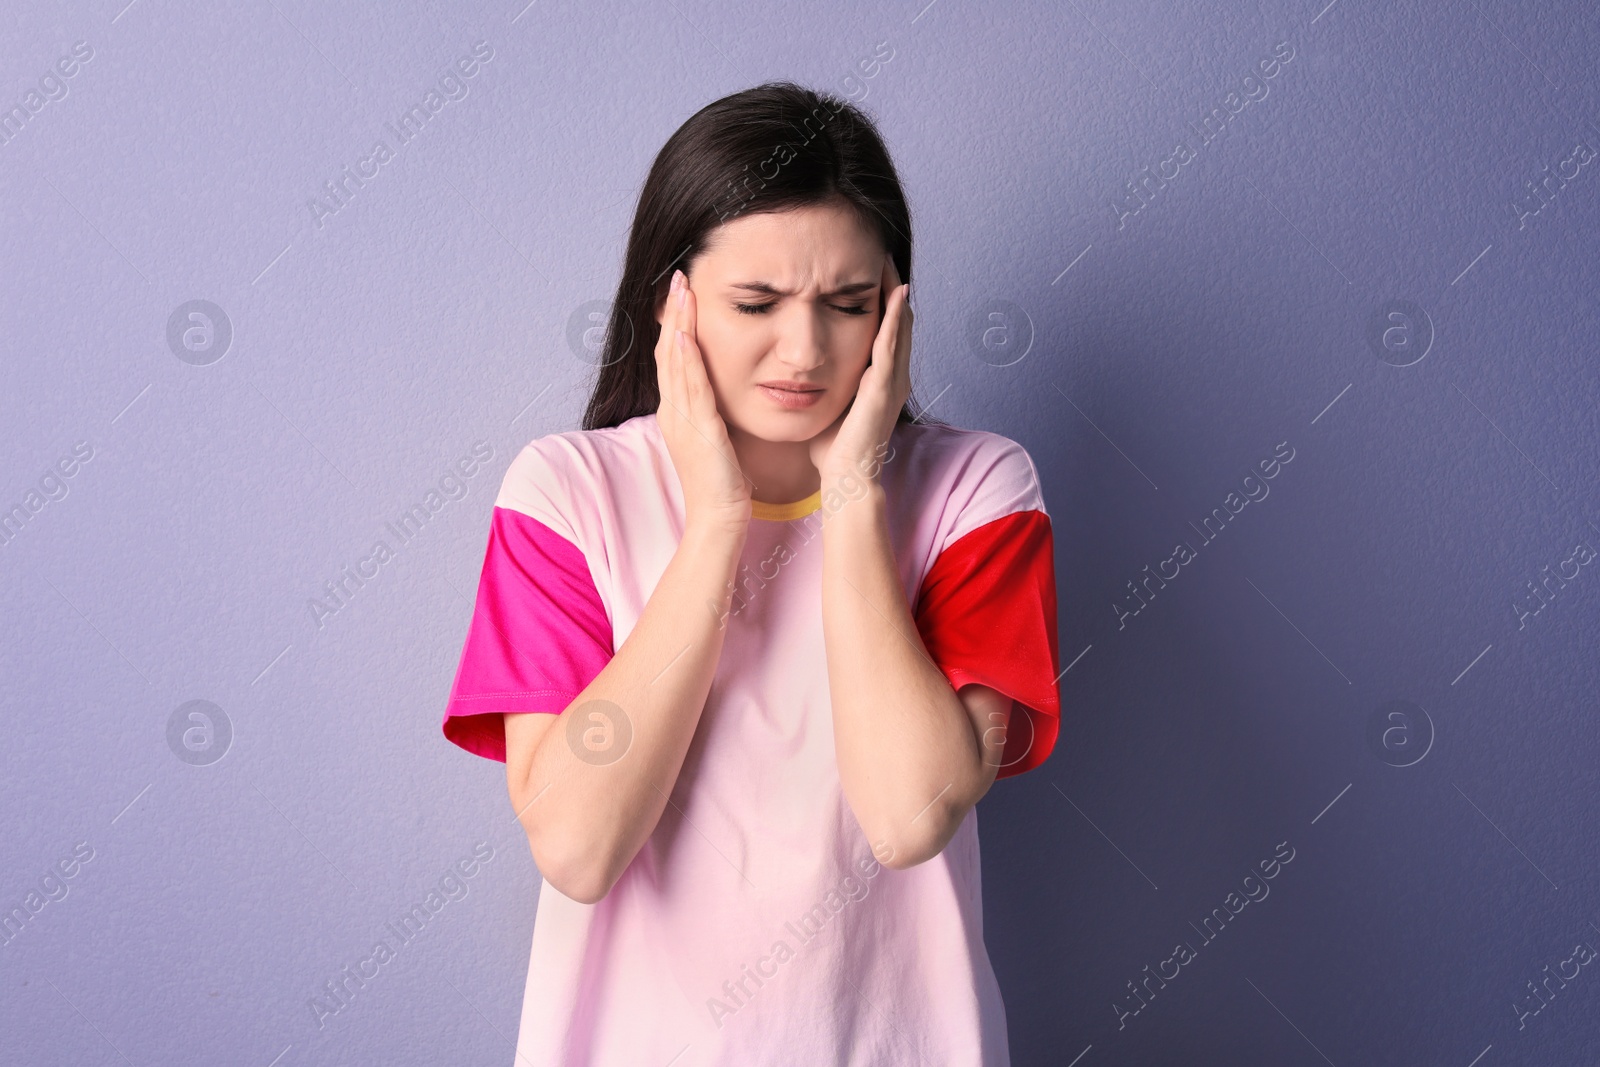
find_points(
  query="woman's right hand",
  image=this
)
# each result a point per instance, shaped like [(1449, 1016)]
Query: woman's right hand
[(715, 491)]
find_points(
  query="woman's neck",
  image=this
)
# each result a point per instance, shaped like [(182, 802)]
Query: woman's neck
[(780, 470)]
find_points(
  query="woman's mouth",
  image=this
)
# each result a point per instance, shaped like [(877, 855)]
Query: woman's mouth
[(792, 399)]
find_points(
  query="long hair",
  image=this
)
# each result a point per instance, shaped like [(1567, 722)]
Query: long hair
[(766, 149)]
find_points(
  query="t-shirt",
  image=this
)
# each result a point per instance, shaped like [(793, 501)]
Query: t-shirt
[(755, 926)]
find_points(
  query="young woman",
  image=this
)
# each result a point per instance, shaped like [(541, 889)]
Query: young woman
[(753, 643)]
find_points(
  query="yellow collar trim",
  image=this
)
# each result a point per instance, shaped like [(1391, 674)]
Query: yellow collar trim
[(785, 512)]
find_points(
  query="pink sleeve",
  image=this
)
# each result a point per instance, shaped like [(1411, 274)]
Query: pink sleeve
[(539, 633)]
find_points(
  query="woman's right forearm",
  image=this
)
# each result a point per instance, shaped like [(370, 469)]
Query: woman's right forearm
[(596, 787)]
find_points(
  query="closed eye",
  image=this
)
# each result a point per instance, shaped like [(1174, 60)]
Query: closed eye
[(761, 309)]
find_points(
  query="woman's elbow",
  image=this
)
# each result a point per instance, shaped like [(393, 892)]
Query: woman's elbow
[(574, 873), (918, 844), (585, 887), (907, 852)]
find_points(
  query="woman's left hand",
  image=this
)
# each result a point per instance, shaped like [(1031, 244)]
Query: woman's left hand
[(857, 439)]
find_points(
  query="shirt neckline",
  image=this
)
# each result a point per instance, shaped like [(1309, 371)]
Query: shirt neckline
[(798, 509)]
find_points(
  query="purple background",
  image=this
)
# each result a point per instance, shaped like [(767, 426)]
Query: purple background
[(1150, 359)]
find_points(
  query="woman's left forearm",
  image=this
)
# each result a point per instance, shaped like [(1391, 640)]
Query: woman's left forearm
[(909, 759)]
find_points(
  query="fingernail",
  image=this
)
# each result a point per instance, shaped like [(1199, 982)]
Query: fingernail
[(677, 279)]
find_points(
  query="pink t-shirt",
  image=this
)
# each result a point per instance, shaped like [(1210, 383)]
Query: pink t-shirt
[(755, 926)]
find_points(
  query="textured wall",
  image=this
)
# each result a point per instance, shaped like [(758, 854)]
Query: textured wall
[(1169, 248)]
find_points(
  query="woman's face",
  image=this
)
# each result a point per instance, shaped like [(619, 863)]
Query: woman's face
[(787, 299)]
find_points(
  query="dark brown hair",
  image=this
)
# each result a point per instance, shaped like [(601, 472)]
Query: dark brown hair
[(766, 149)]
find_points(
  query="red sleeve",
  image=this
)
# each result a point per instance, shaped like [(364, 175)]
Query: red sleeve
[(539, 633), (987, 614)]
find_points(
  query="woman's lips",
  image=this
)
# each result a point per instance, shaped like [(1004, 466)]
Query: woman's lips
[(791, 399)]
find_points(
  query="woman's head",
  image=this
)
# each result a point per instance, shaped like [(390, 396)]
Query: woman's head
[(779, 204)]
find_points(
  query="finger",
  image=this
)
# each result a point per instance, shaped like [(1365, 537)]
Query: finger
[(686, 308), (887, 280), (696, 378), (664, 337), (680, 389), (903, 333), (681, 355), (664, 340), (697, 386), (682, 383), (887, 344), (895, 339)]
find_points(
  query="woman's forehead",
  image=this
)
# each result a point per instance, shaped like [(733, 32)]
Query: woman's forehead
[(794, 248)]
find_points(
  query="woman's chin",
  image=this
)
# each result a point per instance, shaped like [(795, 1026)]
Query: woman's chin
[(782, 428)]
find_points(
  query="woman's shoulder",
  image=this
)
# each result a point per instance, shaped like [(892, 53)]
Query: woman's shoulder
[(574, 450), (569, 466), (938, 449), (967, 475)]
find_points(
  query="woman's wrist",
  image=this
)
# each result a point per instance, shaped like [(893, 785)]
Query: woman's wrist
[(856, 506), (715, 534), (848, 482), (856, 469)]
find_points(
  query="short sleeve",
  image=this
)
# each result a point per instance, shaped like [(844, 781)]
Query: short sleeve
[(986, 609), (539, 633)]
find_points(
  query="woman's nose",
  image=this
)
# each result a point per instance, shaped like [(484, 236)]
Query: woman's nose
[(801, 342)]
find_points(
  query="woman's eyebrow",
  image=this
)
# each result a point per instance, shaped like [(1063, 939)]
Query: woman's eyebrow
[(767, 289)]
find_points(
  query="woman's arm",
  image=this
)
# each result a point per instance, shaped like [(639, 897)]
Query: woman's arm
[(588, 810), (914, 755)]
